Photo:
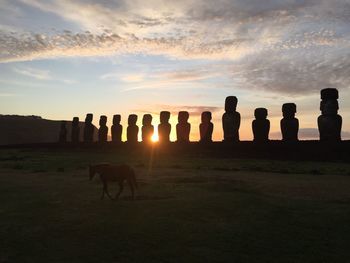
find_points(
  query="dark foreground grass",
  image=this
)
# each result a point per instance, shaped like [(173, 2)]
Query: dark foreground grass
[(188, 209)]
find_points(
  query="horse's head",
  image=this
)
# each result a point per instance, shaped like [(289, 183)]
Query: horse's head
[(91, 172)]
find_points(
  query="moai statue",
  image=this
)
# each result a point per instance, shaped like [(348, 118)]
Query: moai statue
[(75, 136), (231, 120), (132, 130), (147, 128), (117, 129), (261, 125), (63, 132), (183, 127), (289, 124), (164, 127), (329, 122), (206, 127), (103, 130), (89, 128)]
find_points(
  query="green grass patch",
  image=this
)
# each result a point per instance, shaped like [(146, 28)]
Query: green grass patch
[(229, 210)]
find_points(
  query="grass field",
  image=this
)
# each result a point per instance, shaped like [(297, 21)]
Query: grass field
[(188, 209)]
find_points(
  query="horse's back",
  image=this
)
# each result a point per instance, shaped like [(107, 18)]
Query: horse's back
[(114, 172), (122, 169)]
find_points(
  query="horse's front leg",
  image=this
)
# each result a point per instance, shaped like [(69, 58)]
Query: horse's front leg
[(121, 187)]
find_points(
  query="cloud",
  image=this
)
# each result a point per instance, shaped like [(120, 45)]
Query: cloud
[(295, 71), (34, 73), (193, 29), (38, 74), (288, 47), (192, 74), (174, 109), (303, 134), (310, 134), (29, 46), (127, 78), (194, 77)]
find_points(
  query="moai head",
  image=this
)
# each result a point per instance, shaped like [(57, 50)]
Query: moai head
[(289, 110), (231, 103), (260, 113), (164, 116), (132, 119), (329, 104), (329, 94), (147, 120), (103, 120), (329, 107), (116, 119), (88, 118), (183, 116), (206, 117), (75, 121)]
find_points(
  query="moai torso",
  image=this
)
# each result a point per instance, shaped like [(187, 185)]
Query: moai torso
[(147, 128), (75, 136), (89, 128), (183, 128), (63, 132), (206, 127), (132, 130), (116, 129), (261, 125), (164, 127), (289, 124), (330, 127), (231, 120), (329, 122), (103, 130)]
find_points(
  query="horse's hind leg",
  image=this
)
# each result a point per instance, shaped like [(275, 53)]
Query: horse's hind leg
[(105, 191), (121, 187), (105, 187)]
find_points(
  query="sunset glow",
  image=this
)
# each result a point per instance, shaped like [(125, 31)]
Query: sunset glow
[(155, 138), (124, 57)]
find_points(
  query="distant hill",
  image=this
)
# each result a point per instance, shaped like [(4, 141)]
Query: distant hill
[(15, 129)]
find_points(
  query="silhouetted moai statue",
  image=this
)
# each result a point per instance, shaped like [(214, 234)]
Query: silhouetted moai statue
[(329, 122), (164, 127), (89, 128), (183, 128), (63, 132), (231, 120), (289, 124), (75, 135), (132, 130), (147, 128), (261, 125), (103, 130), (117, 129), (206, 127)]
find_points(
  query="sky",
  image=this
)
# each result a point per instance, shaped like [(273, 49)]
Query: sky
[(65, 58)]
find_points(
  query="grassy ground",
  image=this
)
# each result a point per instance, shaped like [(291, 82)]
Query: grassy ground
[(188, 209)]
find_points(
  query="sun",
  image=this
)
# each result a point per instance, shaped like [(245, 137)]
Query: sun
[(154, 137)]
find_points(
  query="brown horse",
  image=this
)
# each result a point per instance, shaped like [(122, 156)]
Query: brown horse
[(114, 173)]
